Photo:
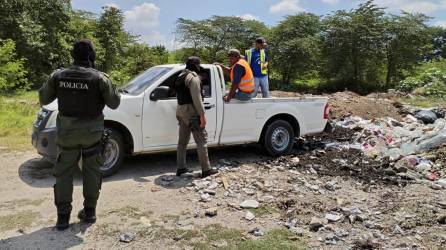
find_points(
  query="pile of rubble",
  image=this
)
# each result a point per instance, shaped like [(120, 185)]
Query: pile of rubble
[(347, 187), (404, 145)]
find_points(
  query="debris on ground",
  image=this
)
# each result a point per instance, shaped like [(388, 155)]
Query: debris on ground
[(127, 237)]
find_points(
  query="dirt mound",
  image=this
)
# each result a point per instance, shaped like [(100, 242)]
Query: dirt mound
[(348, 103)]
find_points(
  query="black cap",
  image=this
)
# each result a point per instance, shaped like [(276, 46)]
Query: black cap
[(83, 50), (193, 64), (260, 40), (195, 60)]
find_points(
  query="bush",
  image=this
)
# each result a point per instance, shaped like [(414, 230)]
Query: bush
[(430, 80), (12, 72)]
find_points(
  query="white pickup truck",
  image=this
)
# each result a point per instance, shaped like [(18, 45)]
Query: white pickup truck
[(145, 121)]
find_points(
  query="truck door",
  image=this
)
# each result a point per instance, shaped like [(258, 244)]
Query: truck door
[(159, 123)]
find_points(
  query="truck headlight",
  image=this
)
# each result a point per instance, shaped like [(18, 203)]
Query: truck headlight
[(41, 117), (51, 123)]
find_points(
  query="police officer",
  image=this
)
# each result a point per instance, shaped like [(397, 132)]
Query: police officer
[(81, 92), (191, 118)]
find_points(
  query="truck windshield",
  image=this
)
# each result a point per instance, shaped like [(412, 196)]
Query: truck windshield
[(144, 80)]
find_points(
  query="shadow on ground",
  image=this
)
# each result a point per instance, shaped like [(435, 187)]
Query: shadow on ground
[(47, 238), (38, 172)]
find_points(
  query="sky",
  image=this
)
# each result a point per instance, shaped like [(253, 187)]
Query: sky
[(154, 20)]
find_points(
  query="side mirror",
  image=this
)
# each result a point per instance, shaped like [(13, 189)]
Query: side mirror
[(161, 92)]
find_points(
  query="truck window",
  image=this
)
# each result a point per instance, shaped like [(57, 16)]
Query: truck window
[(144, 80), (205, 82)]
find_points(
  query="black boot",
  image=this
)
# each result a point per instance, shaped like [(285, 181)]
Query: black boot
[(183, 171), (63, 221), (88, 215), (209, 172)]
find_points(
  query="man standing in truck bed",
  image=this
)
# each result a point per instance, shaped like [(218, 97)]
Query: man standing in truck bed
[(81, 92)]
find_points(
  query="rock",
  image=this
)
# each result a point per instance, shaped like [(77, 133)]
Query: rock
[(442, 204), (211, 212), (297, 231), (440, 112), (341, 233), (208, 191), (331, 239), (213, 185), (372, 225), (362, 217), (333, 217), (126, 237), (316, 224), (295, 160), (331, 185), (144, 220), (256, 232), (426, 116), (205, 198), (200, 184), (398, 230), (249, 204), (352, 218), (249, 216), (442, 219)]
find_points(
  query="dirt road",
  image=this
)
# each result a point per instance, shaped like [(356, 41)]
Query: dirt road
[(161, 211)]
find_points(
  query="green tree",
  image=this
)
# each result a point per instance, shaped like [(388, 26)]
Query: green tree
[(39, 29), (438, 35), (210, 38), (354, 46), (407, 41), (12, 72), (112, 37), (295, 46)]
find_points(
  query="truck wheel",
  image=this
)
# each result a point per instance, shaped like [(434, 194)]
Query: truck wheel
[(113, 152), (278, 138)]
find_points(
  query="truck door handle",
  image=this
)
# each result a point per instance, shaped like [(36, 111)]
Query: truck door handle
[(209, 106)]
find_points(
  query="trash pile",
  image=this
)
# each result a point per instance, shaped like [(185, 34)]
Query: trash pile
[(405, 144)]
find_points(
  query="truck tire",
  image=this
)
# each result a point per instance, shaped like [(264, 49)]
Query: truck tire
[(114, 152), (278, 138)]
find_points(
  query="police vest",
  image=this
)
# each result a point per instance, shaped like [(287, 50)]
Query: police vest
[(78, 92), (263, 69), (247, 82), (183, 92)]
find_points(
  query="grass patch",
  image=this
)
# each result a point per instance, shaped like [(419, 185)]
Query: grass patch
[(21, 203), (264, 210), (18, 220), (17, 114), (275, 239), (163, 233), (425, 102), (170, 217), (131, 212), (107, 229)]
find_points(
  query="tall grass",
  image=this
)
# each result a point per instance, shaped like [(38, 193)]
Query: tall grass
[(17, 113)]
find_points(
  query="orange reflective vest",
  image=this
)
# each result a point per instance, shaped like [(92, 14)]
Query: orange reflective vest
[(247, 83)]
